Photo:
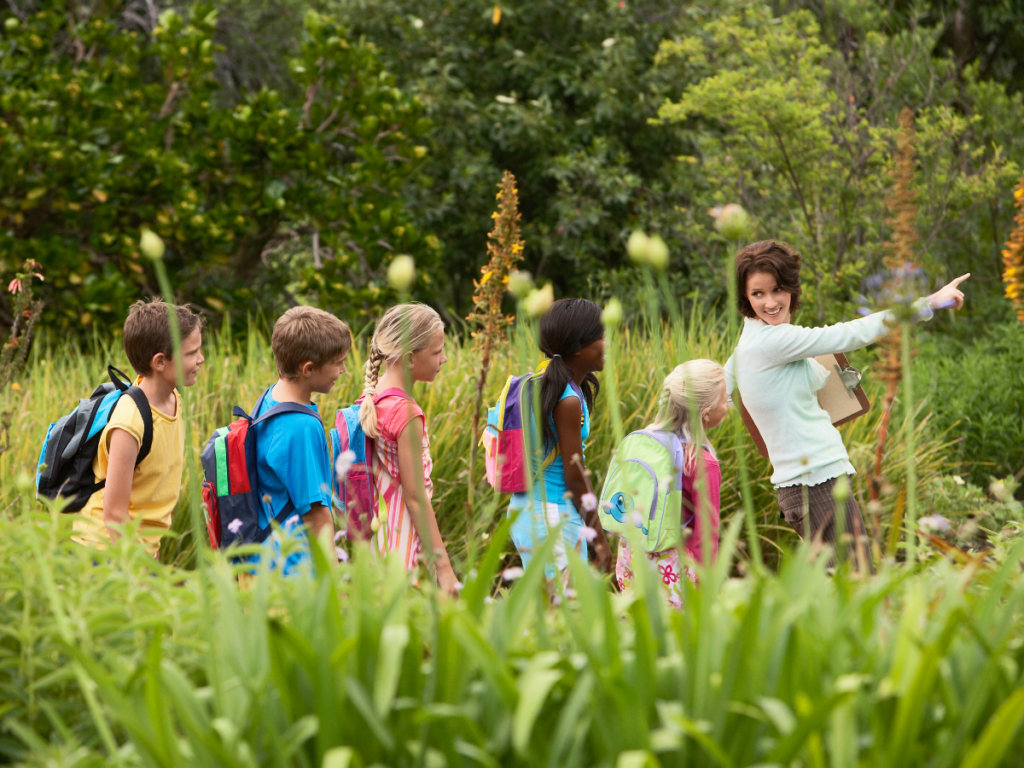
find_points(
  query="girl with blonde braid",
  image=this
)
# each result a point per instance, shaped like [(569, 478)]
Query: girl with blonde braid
[(693, 389), (407, 346)]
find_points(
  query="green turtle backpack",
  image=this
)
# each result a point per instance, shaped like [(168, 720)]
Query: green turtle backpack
[(644, 489)]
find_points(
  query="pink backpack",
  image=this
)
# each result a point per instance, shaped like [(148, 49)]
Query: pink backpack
[(506, 453), (354, 494)]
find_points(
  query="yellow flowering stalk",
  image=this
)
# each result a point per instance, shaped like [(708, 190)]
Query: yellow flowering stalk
[(1013, 255), (899, 260), (505, 250), (25, 309)]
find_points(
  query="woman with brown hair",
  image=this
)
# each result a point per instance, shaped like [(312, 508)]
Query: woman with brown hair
[(778, 380)]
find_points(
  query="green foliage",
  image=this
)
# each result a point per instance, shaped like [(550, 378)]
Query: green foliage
[(804, 139), (559, 92), (797, 124), (974, 388), (108, 125)]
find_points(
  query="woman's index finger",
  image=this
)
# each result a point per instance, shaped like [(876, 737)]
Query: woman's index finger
[(960, 279)]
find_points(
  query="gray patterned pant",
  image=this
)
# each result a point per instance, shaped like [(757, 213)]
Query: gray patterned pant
[(814, 517)]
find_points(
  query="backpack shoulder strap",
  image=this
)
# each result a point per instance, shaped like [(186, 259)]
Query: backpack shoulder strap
[(146, 412), (280, 408), (576, 390), (118, 377)]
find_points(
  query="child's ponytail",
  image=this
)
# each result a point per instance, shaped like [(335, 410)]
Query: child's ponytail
[(690, 389), (368, 412), (569, 326)]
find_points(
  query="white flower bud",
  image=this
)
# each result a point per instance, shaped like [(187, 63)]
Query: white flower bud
[(401, 273), (733, 222), (638, 247), (657, 252), (151, 244), (539, 301), (612, 314), (520, 283)]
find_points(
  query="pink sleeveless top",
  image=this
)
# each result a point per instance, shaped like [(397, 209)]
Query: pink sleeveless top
[(397, 533)]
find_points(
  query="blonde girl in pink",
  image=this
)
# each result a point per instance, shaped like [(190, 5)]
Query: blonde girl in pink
[(407, 346), (695, 388)]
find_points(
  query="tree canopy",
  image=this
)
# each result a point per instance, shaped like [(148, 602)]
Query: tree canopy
[(288, 154)]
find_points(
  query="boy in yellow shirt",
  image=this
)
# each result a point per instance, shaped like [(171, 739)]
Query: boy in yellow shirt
[(150, 490)]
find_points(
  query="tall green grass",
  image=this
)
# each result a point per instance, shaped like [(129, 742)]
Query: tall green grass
[(238, 369), (109, 661), (108, 658)]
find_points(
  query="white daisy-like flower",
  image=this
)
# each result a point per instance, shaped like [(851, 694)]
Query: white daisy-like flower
[(511, 574), (344, 463), (935, 522)]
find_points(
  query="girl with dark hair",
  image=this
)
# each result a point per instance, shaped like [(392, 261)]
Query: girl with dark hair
[(778, 380), (572, 336)]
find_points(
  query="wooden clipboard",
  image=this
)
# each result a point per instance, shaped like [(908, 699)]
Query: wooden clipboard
[(841, 404)]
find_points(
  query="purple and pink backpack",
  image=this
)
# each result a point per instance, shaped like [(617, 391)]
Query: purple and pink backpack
[(506, 453)]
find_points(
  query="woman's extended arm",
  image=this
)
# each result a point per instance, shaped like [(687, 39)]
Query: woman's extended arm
[(410, 467), (567, 415), (788, 343)]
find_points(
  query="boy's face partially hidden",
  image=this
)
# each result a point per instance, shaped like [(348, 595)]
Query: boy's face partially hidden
[(191, 361), (322, 379)]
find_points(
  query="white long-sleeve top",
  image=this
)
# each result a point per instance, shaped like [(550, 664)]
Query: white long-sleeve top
[(778, 383)]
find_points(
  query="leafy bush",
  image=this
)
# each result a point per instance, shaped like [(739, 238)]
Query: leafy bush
[(110, 122), (974, 387)]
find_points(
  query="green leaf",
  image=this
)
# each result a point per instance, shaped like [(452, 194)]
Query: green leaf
[(534, 685), (998, 734), (393, 640)]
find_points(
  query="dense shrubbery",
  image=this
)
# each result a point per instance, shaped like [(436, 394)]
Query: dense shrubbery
[(104, 661), (109, 122), (265, 205), (975, 387)]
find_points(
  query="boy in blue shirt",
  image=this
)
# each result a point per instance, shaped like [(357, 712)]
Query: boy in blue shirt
[(293, 461)]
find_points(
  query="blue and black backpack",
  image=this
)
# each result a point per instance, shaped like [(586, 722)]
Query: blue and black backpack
[(65, 462)]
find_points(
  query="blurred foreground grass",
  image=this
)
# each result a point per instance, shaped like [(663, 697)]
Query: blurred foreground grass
[(108, 660)]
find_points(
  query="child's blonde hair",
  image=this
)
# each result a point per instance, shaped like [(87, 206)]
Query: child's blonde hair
[(404, 328), (694, 386)]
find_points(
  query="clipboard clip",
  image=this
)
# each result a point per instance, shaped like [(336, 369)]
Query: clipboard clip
[(850, 377)]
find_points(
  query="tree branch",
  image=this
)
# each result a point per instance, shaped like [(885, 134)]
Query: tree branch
[(795, 182)]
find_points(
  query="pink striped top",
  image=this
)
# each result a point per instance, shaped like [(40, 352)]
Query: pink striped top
[(397, 533)]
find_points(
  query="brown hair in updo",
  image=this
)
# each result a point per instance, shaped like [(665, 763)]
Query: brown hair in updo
[(773, 258)]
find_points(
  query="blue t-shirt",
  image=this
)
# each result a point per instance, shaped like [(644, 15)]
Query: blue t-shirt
[(294, 465), (292, 461)]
